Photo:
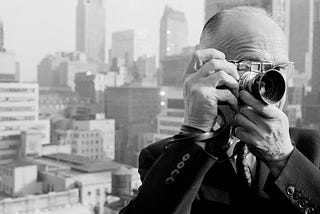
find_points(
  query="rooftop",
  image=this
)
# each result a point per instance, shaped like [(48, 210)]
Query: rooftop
[(83, 164), (16, 164)]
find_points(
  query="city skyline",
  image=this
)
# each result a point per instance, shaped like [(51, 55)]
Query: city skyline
[(43, 19)]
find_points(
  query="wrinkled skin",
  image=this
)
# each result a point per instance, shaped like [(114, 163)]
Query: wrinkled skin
[(264, 128)]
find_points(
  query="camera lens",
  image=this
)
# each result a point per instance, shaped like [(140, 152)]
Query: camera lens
[(271, 86), (268, 87)]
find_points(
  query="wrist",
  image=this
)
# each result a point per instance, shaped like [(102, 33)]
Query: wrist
[(276, 166)]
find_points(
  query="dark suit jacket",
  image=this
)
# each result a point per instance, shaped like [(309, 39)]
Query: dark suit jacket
[(183, 178)]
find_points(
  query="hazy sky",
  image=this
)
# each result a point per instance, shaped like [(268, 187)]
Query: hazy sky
[(34, 28)]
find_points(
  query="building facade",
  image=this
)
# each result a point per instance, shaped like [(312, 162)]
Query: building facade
[(171, 117), (93, 86), (315, 81), (90, 29), (19, 179), (173, 32), (102, 130), (19, 111), (59, 70), (129, 45)]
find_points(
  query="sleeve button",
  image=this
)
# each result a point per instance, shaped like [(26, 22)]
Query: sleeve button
[(302, 203), (309, 210), (297, 195), (169, 180), (290, 190)]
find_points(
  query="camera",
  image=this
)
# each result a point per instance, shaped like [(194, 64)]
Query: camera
[(262, 79)]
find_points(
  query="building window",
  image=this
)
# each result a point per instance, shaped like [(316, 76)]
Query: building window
[(98, 192), (89, 193)]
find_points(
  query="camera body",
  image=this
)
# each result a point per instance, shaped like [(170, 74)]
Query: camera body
[(262, 79)]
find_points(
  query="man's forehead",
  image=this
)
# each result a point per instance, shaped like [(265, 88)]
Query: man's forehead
[(252, 36)]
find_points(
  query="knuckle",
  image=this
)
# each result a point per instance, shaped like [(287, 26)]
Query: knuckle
[(215, 63)]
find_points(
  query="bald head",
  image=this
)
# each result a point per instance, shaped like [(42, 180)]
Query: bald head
[(245, 33)]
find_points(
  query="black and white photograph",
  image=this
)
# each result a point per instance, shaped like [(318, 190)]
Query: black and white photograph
[(159, 106)]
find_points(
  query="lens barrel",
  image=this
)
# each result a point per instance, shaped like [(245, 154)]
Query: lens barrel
[(268, 87)]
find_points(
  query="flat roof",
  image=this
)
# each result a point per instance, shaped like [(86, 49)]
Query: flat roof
[(84, 164), (16, 164)]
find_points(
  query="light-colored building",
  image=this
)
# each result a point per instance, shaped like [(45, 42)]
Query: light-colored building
[(315, 81), (171, 117), (1, 36), (104, 128), (19, 179), (90, 29), (93, 178), (129, 45), (173, 32), (65, 202), (19, 110), (87, 143), (301, 47), (59, 69), (9, 67)]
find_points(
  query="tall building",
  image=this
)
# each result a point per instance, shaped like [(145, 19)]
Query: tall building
[(171, 116), (90, 29), (315, 81), (173, 32), (279, 9), (129, 45), (134, 110), (1, 36), (172, 68), (300, 47), (19, 111), (9, 67)]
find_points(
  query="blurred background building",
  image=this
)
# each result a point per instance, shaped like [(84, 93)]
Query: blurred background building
[(90, 29)]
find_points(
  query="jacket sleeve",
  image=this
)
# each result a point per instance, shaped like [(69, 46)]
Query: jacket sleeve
[(171, 181), (298, 183)]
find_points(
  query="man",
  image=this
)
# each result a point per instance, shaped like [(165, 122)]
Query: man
[(185, 177)]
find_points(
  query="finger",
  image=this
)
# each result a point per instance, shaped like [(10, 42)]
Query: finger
[(242, 121), (265, 110), (200, 57), (224, 95), (218, 64), (243, 134), (250, 113), (221, 78)]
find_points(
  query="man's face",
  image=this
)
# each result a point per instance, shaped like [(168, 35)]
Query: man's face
[(251, 37)]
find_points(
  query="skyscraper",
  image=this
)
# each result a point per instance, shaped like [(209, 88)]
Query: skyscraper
[(9, 67), (279, 9), (315, 81), (129, 45), (300, 46), (90, 29), (1, 36), (173, 32)]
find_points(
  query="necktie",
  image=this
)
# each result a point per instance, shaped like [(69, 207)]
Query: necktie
[(242, 164)]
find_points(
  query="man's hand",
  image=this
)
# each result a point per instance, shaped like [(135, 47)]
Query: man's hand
[(265, 130), (206, 70)]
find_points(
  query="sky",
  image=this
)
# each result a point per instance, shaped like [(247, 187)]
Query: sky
[(35, 28)]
